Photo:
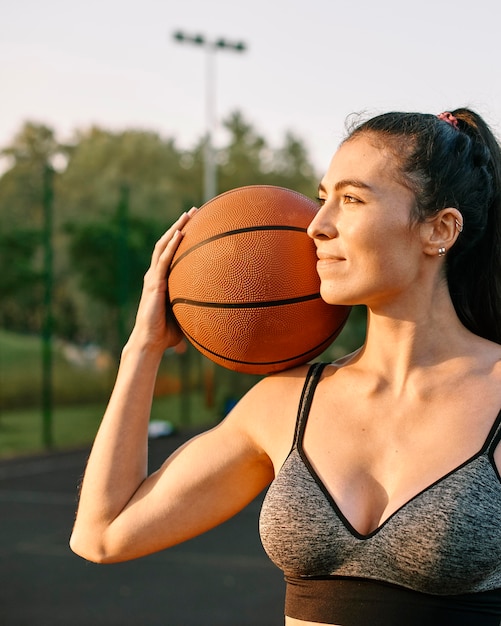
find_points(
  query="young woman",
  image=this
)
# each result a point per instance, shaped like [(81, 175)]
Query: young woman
[(385, 497)]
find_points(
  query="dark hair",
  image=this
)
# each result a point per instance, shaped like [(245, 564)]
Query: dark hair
[(448, 166)]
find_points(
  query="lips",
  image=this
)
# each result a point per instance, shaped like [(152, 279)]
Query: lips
[(322, 256), (327, 262)]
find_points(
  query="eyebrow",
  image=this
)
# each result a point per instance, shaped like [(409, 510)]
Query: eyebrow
[(346, 182)]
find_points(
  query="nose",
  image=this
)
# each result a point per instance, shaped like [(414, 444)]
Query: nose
[(322, 226)]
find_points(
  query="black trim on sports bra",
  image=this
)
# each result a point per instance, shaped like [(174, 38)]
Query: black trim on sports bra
[(358, 601), (310, 384), (493, 444)]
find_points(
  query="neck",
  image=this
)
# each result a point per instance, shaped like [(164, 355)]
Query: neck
[(401, 342)]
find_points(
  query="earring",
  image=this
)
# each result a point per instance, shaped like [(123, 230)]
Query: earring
[(459, 226), (441, 251)]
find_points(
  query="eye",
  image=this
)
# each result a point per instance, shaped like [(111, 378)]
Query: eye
[(349, 199), (321, 201)]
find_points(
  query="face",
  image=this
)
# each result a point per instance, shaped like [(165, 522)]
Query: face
[(369, 252)]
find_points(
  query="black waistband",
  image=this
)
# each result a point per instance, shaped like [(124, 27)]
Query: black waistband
[(360, 602)]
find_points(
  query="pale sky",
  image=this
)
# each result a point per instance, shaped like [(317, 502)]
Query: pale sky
[(308, 66)]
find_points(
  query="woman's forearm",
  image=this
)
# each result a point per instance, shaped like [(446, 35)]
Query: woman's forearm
[(118, 461)]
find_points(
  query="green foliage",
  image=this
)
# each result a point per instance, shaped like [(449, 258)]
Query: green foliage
[(17, 249), (291, 167), (249, 160), (33, 144), (103, 162), (244, 160), (118, 193), (21, 187), (20, 279), (111, 259)]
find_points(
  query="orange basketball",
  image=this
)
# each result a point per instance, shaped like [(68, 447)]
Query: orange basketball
[(243, 284)]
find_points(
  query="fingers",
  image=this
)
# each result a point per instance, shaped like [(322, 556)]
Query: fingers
[(167, 244), (167, 254)]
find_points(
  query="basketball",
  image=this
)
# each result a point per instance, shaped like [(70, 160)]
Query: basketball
[(243, 284)]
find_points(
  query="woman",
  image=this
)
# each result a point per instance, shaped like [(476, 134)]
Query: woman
[(385, 497)]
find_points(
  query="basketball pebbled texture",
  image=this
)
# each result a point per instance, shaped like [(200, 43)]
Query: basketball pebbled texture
[(243, 284)]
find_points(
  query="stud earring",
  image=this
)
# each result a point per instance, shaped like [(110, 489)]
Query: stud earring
[(441, 251)]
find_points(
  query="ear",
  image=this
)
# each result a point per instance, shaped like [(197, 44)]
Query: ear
[(441, 231)]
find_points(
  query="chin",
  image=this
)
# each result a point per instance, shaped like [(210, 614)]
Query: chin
[(334, 297)]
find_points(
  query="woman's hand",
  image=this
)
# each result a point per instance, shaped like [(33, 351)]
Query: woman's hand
[(155, 326)]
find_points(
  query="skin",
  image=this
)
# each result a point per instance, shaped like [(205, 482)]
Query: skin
[(441, 385)]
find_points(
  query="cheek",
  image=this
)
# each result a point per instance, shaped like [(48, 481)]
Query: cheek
[(398, 262), (388, 252)]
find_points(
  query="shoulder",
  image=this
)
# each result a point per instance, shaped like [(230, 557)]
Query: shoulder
[(267, 412), (485, 358)]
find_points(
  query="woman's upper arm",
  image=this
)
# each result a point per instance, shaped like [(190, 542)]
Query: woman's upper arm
[(206, 481), (203, 483)]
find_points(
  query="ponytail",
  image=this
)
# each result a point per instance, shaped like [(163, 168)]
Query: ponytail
[(474, 273)]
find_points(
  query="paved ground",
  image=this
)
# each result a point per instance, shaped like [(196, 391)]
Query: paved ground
[(220, 579)]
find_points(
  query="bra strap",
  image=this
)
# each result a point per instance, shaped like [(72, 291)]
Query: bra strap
[(495, 435), (310, 384)]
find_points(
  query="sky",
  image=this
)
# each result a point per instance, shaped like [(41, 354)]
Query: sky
[(308, 65)]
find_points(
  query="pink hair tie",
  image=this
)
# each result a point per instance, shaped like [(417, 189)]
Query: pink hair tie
[(449, 118)]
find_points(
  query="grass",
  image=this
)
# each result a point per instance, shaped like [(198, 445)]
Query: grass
[(21, 374), (81, 392), (74, 427), (21, 429)]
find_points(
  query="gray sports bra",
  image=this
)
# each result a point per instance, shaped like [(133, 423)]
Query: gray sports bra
[(445, 541)]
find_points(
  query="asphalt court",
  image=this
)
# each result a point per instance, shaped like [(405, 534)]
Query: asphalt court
[(222, 578)]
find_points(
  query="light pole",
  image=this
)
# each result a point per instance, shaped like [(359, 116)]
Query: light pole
[(211, 47), (210, 173)]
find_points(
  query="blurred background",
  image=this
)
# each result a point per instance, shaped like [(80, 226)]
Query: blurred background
[(117, 116)]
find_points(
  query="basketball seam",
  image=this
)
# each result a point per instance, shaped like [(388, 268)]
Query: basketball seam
[(238, 231), (328, 340), (245, 305)]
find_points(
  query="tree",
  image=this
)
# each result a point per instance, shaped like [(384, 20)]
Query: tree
[(110, 258), (102, 162), (22, 189), (20, 280), (146, 176), (249, 160), (93, 298), (21, 186), (292, 168), (243, 161)]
